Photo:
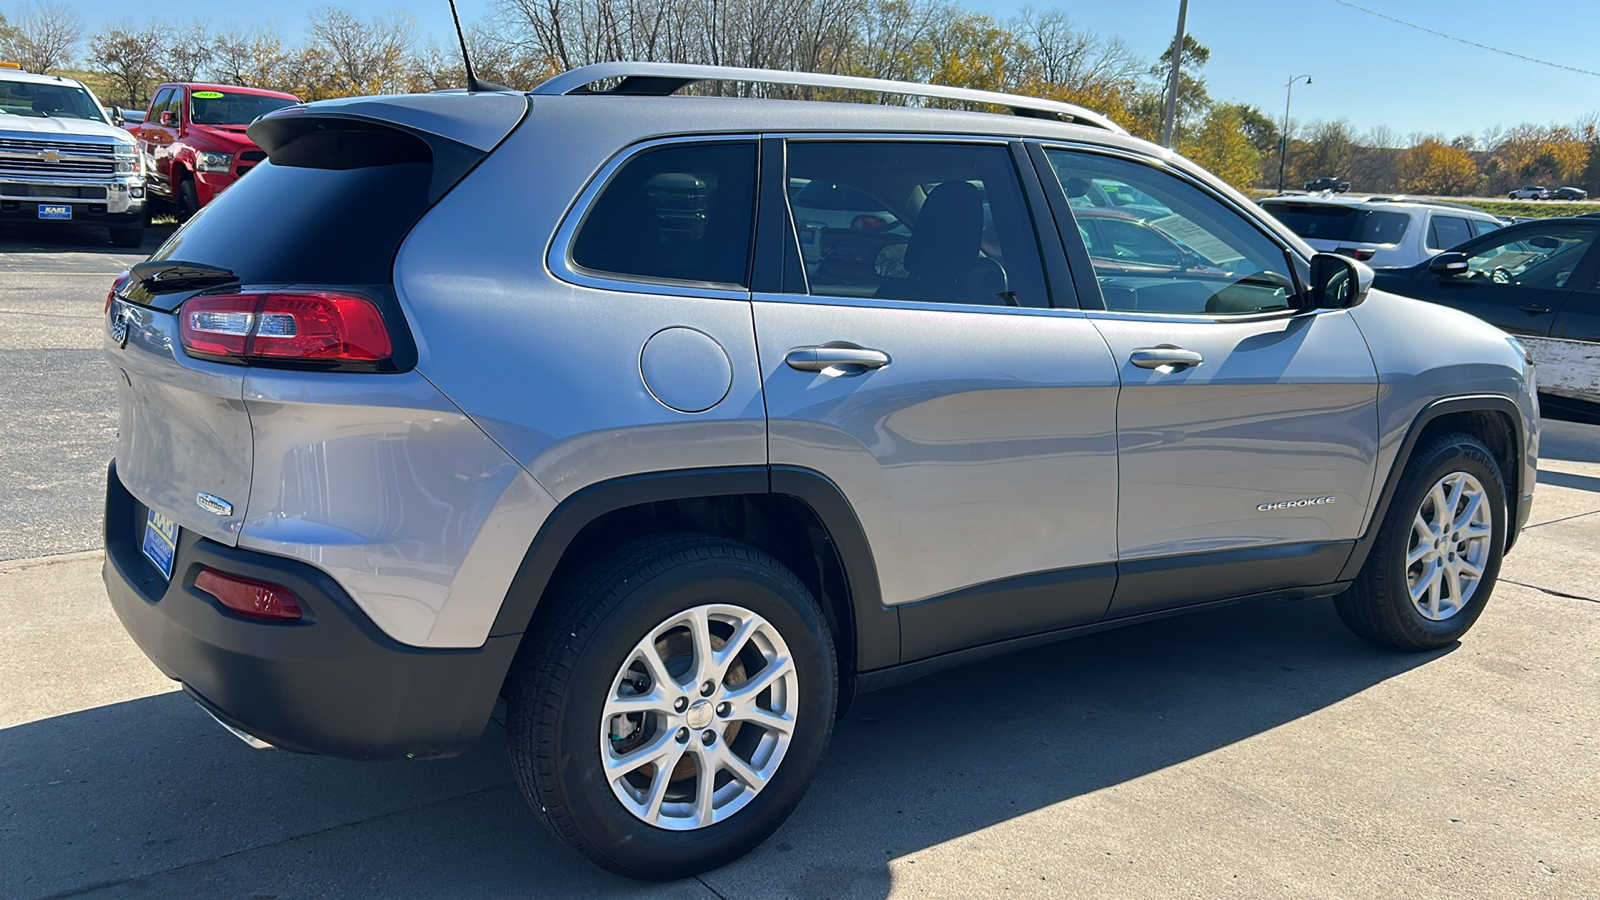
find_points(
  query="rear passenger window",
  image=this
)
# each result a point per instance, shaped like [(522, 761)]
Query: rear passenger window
[(1445, 232), (919, 222), (1482, 227), (679, 213)]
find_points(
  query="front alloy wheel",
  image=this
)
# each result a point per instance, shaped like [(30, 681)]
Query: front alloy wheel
[(1449, 546)]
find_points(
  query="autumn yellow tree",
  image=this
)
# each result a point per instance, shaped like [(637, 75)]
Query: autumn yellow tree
[(1222, 146), (1435, 168)]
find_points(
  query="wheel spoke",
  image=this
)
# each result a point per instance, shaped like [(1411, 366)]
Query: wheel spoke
[(618, 766), (1435, 586), (765, 718), (1424, 532), (1454, 500), (652, 660), (705, 784), (663, 777), (1418, 554), (1425, 580), (700, 633), (653, 702), (1441, 511), (763, 679), (730, 650), (1467, 568), (1471, 531), (740, 769), (1473, 502)]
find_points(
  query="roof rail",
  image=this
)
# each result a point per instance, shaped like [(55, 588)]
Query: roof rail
[(660, 79), (1423, 201)]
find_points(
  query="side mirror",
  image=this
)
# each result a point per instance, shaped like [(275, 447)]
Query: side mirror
[(1447, 265), (1338, 282), (168, 119), (116, 117)]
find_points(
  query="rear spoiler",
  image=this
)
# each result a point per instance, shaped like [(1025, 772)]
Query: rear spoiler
[(453, 131)]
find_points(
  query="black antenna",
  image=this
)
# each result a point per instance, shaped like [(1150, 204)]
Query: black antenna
[(473, 84)]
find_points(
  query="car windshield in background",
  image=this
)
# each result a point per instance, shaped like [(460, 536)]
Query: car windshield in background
[(229, 108), (61, 101), (1327, 222)]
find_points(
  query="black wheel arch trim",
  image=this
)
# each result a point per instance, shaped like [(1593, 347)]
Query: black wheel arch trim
[(1435, 410), (877, 628)]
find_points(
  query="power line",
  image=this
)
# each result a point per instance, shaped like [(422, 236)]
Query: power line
[(1461, 40)]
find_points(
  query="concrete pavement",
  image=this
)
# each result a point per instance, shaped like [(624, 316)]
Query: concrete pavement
[(1252, 751)]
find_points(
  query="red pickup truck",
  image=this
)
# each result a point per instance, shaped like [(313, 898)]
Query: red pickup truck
[(193, 142)]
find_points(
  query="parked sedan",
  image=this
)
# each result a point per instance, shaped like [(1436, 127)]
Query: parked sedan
[(1538, 280), (1569, 193)]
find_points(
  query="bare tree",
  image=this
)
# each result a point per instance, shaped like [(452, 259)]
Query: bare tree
[(41, 37), (346, 56), (186, 53), (130, 58), (254, 58)]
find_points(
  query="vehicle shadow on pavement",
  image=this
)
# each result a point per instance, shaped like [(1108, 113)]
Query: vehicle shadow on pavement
[(150, 797), (75, 239)]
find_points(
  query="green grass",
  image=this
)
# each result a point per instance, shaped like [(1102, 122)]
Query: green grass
[(1535, 209)]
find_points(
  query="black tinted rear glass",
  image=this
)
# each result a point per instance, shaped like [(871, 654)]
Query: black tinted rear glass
[(1340, 223), (678, 213), (296, 224)]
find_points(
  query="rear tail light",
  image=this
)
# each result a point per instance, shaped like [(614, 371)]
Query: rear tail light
[(868, 223), (116, 285), (289, 326), (251, 598)]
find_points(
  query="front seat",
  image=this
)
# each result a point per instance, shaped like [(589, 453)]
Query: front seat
[(943, 250)]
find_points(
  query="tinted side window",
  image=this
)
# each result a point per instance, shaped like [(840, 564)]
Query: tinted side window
[(157, 105), (1445, 232), (1484, 226), (940, 223), (682, 213), (1177, 250), (1542, 260)]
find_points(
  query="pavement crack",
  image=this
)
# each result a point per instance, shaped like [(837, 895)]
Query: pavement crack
[(102, 885), (714, 892), (1553, 593)]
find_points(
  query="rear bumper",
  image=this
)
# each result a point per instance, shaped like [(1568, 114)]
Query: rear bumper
[(328, 683)]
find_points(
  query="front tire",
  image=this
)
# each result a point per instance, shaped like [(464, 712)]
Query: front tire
[(188, 199), (1438, 550), (673, 706)]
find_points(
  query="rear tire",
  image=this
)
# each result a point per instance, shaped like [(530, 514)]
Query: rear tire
[(1438, 550), (578, 761)]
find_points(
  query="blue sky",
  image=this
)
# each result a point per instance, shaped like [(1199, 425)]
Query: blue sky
[(1365, 69)]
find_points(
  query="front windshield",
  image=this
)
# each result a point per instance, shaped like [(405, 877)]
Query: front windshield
[(61, 101), (229, 108)]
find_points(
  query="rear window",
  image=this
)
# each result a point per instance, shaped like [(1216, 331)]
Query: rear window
[(304, 224), (1326, 222)]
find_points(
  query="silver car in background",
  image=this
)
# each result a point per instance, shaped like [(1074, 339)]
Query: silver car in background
[(541, 397)]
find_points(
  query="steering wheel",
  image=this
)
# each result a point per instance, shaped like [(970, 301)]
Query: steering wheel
[(1500, 275), (989, 275)]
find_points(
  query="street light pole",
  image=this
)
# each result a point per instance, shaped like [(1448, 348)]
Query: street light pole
[(1169, 122), (1283, 139)]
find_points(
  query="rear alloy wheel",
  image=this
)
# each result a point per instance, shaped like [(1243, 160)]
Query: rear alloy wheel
[(1437, 553), (671, 704)]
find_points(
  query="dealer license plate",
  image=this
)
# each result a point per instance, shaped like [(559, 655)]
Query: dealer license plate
[(161, 541), (55, 211)]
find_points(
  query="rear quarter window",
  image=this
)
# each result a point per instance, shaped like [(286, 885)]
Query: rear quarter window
[(1328, 222)]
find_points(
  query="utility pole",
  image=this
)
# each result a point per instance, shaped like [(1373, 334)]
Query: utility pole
[(1169, 121), (1283, 139)]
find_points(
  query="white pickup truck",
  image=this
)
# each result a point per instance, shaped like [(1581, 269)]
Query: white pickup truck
[(63, 162)]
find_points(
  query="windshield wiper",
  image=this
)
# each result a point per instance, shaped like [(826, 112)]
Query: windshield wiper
[(159, 276)]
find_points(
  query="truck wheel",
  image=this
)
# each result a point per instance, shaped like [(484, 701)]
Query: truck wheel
[(127, 237), (673, 704), (1438, 550), (188, 199)]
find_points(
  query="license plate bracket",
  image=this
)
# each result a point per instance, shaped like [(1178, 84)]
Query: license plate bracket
[(161, 542)]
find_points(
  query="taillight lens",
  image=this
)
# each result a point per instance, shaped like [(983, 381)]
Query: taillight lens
[(252, 598), (308, 326), (115, 286)]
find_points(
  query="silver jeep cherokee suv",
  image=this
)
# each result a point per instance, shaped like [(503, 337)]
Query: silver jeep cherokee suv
[(472, 396)]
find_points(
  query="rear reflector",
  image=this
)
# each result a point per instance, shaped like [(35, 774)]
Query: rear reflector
[(311, 326), (252, 598)]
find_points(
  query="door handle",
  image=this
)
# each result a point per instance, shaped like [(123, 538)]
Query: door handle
[(1165, 355), (848, 358), (1534, 306)]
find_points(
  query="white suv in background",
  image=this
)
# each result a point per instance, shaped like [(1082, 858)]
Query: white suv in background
[(1384, 232)]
